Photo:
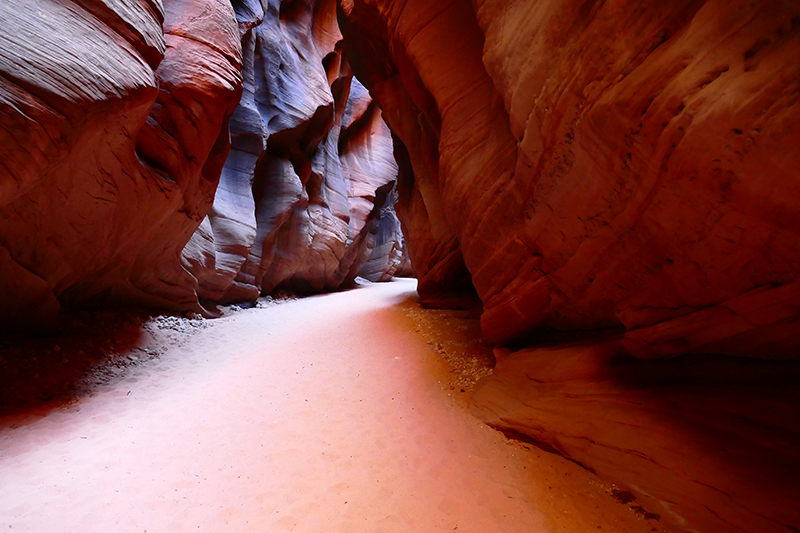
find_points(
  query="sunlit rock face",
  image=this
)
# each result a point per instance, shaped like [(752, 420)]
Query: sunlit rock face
[(613, 165), (116, 186), (114, 133), (310, 166)]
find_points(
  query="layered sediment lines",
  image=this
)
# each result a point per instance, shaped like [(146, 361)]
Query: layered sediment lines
[(596, 165), (702, 443), (114, 132), (310, 167), (572, 165), (116, 185)]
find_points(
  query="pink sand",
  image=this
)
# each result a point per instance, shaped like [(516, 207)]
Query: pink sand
[(318, 415)]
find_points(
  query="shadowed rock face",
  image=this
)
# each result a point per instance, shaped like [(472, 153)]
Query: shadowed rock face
[(411, 110), (114, 133), (310, 166), (575, 165), (705, 442), (613, 165), (599, 164), (389, 256)]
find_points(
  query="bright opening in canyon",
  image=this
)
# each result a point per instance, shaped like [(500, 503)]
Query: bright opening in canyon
[(400, 266)]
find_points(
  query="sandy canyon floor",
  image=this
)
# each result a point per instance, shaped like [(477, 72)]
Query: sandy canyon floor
[(337, 413)]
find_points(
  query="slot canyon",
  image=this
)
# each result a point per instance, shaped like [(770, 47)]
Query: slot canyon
[(400, 266)]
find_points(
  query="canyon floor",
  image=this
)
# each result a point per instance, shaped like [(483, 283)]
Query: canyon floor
[(336, 413)]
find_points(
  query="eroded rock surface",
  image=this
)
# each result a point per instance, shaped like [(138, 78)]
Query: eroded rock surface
[(310, 167), (389, 256), (114, 132), (117, 187), (600, 164), (572, 165), (594, 165), (701, 443)]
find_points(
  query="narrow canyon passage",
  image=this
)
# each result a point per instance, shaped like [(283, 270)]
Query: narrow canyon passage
[(320, 414)]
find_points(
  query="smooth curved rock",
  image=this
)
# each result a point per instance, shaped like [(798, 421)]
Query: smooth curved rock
[(383, 64), (599, 164), (309, 168), (389, 256), (596, 165), (110, 153), (116, 184), (702, 443)]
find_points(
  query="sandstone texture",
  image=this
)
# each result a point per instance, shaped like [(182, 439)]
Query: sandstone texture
[(389, 256), (599, 164), (618, 167), (310, 166), (699, 443), (114, 133), (116, 185), (614, 166)]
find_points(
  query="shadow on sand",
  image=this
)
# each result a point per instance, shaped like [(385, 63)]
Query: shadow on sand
[(45, 372)]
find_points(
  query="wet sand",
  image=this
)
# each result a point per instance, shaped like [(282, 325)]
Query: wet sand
[(325, 414)]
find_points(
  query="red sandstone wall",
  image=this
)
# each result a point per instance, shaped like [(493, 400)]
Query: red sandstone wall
[(626, 165), (115, 183), (114, 132), (574, 164), (600, 164)]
